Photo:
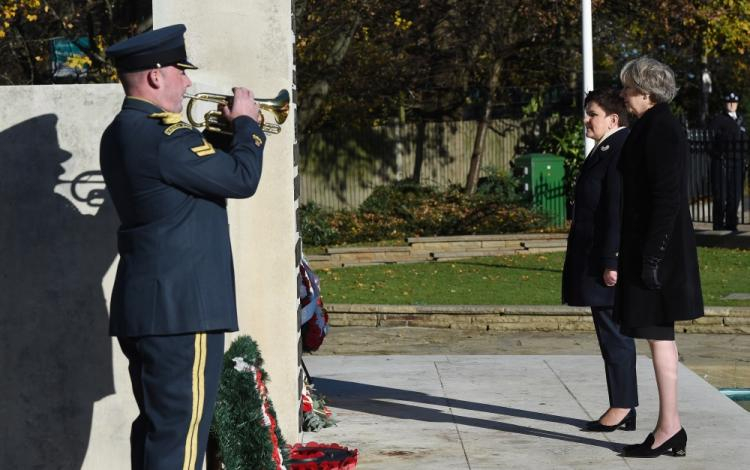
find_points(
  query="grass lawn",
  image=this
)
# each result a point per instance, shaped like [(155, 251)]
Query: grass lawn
[(507, 280)]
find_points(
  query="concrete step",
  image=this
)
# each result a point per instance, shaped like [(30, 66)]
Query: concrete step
[(544, 243), (367, 249), (499, 237), (441, 249), (472, 253)]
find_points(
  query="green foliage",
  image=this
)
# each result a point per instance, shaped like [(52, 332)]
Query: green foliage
[(238, 421), (29, 27), (407, 209), (316, 227), (396, 197), (318, 415), (499, 184)]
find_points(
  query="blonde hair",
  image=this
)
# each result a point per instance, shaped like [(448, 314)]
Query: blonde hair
[(651, 77)]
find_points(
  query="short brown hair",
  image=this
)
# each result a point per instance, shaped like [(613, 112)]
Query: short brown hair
[(610, 101)]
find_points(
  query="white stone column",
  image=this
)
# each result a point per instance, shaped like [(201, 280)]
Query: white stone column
[(67, 398), (250, 43)]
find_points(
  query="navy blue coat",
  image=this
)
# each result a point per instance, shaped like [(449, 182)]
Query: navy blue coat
[(169, 185), (727, 129), (594, 238), (656, 223)]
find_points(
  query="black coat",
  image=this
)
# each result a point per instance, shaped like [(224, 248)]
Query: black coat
[(594, 236), (169, 186), (656, 222), (727, 131), (728, 128)]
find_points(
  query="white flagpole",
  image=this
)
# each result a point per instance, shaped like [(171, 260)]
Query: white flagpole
[(588, 59)]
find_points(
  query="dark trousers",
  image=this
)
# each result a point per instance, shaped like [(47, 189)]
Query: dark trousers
[(618, 352), (727, 175), (175, 380)]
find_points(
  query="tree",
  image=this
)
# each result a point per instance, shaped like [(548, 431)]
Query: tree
[(363, 63), (689, 36), (506, 41), (424, 60), (29, 29)]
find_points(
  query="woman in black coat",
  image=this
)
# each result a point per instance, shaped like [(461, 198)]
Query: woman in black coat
[(659, 281), (590, 270)]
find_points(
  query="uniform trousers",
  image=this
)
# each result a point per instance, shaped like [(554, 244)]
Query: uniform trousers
[(618, 352), (727, 178), (175, 380)]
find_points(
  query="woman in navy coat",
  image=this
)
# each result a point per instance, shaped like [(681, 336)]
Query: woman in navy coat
[(590, 270), (659, 279)]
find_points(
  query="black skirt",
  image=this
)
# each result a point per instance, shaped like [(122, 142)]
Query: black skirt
[(664, 332)]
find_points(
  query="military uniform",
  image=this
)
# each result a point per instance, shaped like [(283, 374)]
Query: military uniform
[(727, 166), (174, 293)]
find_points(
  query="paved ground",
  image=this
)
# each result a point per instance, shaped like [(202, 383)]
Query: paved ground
[(721, 360), (509, 412), (420, 398)]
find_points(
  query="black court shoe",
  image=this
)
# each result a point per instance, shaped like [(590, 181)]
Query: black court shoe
[(627, 424), (676, 444)]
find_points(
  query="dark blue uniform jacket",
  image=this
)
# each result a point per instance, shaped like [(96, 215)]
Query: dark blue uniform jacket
[(169, 185)]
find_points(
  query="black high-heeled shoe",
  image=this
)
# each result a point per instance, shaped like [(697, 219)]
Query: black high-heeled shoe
[(677, 444), (627, 424)]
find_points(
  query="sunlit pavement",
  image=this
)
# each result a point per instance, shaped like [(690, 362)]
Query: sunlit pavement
[(509, 411)]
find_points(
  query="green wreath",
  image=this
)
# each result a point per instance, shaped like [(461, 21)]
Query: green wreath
[(245, 425)]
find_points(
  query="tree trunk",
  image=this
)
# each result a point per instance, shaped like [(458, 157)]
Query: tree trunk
[(482, 125), (416, 175)]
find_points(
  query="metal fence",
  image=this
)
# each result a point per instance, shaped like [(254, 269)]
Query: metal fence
[(717, 179)]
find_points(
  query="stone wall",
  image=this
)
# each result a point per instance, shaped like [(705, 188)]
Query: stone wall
[(733, 320), (65, 388)]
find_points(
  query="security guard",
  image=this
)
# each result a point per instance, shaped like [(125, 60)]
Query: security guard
[(174, 293), (727, 163)]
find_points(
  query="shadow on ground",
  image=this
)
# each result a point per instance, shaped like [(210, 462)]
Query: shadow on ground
[(374, 399)]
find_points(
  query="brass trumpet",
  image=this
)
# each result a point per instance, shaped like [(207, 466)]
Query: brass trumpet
[(214, 121)]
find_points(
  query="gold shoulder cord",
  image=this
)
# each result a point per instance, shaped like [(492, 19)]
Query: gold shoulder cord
[(167, 117), (174, 127)]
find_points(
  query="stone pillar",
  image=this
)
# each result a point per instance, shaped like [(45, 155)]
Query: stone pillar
[(67, 399), (250, 43)]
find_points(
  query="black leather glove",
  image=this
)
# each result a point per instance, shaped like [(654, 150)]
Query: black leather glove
[(650, 272)]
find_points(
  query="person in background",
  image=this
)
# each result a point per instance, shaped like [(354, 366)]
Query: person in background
[(658, 280), (727, 163), (590, 269), (174, 293)]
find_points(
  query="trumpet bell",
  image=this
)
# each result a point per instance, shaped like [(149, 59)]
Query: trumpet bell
[(278, 106)]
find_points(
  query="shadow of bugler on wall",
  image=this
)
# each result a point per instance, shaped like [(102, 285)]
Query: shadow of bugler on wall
[(56, 353)]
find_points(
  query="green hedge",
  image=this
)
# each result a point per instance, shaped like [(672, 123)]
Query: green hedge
[(405, 209)]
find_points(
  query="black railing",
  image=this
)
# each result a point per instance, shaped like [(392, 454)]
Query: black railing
[(550, 198), (717, 179)]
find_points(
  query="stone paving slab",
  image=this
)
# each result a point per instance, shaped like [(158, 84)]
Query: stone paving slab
[(515, 412)]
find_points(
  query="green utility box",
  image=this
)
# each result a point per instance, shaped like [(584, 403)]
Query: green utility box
[(542, 178)]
